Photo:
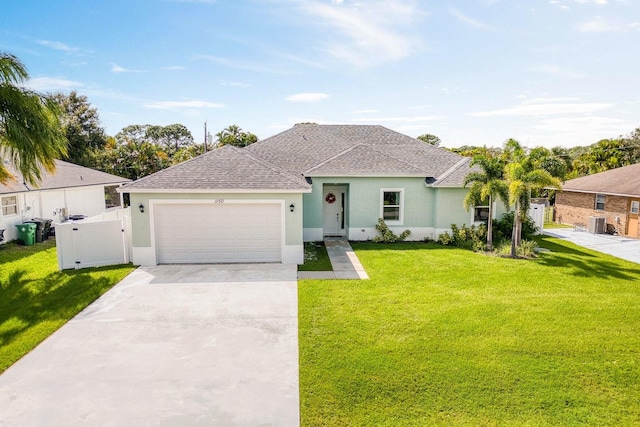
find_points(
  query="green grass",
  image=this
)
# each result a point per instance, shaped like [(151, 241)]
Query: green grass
[(315, 258), (444, 336), (36, 299), (550, 225)]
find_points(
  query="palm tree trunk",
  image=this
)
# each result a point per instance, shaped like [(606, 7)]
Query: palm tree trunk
[(515, 230), (489, 227)]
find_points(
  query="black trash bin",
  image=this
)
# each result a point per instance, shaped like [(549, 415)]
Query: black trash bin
[(39, 227), (45, 228)]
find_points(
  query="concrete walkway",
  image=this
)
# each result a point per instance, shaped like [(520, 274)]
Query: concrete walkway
[(618, 246), (211, 345), (344, 261)]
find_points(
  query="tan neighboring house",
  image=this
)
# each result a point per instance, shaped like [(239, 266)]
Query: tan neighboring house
[(613, 194)]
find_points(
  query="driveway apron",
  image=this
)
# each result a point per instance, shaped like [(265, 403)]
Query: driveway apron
[(213, 345)]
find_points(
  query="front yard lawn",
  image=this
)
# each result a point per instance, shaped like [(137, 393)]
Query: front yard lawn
[(444, 336), (316, 258), (36, 299)]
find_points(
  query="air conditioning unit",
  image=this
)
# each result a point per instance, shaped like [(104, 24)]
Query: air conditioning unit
[(597, 224)]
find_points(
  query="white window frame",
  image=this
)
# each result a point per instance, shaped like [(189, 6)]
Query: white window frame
[(635, 207), (604, 200), (4, 207), (399, 221), (473, 213)]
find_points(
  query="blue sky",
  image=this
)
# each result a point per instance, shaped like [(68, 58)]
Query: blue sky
[(473, 72)]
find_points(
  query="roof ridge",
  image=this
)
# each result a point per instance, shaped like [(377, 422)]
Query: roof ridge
[(367, 146), (282, 172), (340, 154), (453, 168)]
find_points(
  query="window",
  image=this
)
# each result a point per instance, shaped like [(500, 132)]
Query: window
[(481, 214), (392, 209), (600, 202), (9, 205), (635, 207), (111, 197)]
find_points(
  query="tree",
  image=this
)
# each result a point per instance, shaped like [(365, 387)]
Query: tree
[(487, 184), (171, 138), (30, 131), (523, 176), (430, 139), (233, 135), (81, 125)]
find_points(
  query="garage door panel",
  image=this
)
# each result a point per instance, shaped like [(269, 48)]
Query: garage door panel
[(218, 233)]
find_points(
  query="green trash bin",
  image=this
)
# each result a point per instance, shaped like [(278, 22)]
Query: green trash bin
[(27, 233)]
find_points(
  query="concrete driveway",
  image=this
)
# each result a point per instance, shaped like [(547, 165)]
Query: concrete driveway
[(618, 246), (169, 346)]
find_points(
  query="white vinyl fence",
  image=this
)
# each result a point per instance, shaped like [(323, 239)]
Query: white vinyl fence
[(101, 240), (536, 213)]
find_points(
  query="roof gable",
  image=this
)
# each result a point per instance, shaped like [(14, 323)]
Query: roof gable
[(66, 175), (619, 181), (225, 168)]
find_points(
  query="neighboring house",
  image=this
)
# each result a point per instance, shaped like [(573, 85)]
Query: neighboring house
[(70, 190), (613, 194), (260, 203)]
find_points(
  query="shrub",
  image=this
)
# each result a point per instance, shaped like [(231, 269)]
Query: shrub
[(525, 250), (445, 239), (472, 238), (387, 235), (503, 228)]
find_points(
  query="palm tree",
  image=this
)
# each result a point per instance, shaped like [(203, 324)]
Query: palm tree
[(522, 177), (30, 130), (487, 184)]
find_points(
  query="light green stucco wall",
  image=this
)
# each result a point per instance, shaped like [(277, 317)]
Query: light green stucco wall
[(448, 207), (141, 226), (363, 203)]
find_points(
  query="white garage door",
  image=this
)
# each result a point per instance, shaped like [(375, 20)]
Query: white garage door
[(218, 233)]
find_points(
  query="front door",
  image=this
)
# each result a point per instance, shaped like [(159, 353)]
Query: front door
[(632, 226), (334, 199)]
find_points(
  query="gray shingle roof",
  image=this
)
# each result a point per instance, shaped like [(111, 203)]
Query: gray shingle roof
[(619, 181), (226, 168), (363, 160), (66, 175), (305, 146)]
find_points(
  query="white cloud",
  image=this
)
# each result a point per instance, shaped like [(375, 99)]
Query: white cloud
[(556, 71), (235, 84), (172, 105), (307, 97), (59, 46), (600, 25), (400, 119), (115, 68), (364, 112), (248, 66), (469, 21), (546, 107), (365, 35), (53, 84)]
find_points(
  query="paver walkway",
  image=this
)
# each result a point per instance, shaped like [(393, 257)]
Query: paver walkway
[(344, 261)]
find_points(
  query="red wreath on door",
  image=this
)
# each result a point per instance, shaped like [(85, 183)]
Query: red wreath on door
[(331, 198)]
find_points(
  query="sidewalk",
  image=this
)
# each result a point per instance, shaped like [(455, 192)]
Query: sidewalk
[(344, 261), (619, 246)]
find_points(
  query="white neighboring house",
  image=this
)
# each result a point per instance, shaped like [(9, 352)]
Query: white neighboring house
[(70, 190)]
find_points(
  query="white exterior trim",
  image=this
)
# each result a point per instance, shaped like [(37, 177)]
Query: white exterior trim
[(208, 191), (390, 190), (368, 233)]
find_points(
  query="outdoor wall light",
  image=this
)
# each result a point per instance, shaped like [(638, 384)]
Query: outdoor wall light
[(141, 207), (292, 207)]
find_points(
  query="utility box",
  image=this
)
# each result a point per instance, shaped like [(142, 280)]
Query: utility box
[(597, 225)]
